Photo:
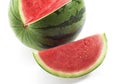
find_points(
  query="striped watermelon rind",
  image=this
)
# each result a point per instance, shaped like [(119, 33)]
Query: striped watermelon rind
[(59, 27), (79, 73)]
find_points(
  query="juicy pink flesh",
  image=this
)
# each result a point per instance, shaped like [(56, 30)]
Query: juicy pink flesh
[(73, 56), (36, 9)]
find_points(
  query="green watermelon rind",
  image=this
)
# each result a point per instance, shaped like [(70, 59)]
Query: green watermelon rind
[(75, 74)]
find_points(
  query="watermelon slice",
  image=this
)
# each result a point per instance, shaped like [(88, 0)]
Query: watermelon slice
[(33, 10), (74, 59)]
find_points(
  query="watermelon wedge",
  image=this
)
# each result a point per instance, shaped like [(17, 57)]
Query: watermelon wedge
[(74, 59), (34, 10)]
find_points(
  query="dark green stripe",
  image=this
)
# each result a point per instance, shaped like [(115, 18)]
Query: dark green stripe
[(64, 36), (63, 8), (73, 19), (58, 40)]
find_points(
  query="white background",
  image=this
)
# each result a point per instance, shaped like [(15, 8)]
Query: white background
[(17, 65)]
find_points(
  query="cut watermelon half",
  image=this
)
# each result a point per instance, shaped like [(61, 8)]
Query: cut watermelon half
[(74, 59), (34, 10)]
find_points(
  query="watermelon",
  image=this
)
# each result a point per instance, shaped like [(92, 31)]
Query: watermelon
[(74, 59), (41, 24)]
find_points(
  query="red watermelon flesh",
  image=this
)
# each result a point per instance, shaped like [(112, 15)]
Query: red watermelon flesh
[(33, 10), (80, 57), (80, 54)]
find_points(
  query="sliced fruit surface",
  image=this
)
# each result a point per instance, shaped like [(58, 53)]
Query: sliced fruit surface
[(74, 59), (33, 10)]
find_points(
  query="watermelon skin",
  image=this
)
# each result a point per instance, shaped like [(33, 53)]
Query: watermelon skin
[(58, 28), (68, 73)]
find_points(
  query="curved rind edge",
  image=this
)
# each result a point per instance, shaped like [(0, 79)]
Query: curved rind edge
[(20, 11), (75, 74)]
